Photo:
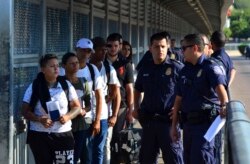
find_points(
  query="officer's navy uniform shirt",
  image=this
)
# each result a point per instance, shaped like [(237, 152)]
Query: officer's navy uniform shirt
[(157, 81), (175, 53), (225, 59), (197, 81)]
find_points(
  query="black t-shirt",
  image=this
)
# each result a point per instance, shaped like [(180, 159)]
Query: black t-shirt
[(145, 59), (125, 76)]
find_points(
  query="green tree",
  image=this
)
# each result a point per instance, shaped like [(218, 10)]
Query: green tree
[(227, 32), (240, 23), (241, 4), (240, 19), (238, 27)]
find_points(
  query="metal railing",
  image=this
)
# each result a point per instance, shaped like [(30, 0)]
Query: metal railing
[(237, 134)]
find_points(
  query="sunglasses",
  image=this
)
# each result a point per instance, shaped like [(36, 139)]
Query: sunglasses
[(185, 47)]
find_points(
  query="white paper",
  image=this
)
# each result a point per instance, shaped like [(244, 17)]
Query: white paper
[(214, 128), (53, 105)]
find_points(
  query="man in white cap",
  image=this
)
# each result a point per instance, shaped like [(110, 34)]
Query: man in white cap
[(96, 134), (98, 112)]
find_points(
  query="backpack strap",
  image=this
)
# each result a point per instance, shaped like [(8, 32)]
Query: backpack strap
[(64, 84), (40, 92), (86, 90), (65, 87), (35, 93), (38, 87), (92, 74), (107, 68)]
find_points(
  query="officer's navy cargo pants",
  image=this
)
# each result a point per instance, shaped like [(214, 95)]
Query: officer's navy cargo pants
[(196, 148), (156, 135)]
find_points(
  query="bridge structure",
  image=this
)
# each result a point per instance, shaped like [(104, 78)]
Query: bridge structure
[(31, 28)]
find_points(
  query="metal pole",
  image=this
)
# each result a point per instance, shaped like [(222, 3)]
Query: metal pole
[(43, 13), (107, 17), (70, 26), (10, 5), (138, 32), (91, 21), (145, 26)]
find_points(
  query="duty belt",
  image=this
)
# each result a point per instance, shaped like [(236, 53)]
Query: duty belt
[(156, 117), (198, 117)]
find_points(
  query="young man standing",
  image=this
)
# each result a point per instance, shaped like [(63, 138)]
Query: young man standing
[(111, 89), (97, 133), (124, 72), (98, 115)]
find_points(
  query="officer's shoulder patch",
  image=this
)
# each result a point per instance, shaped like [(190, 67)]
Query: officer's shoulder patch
[(217, 64), (218, 70)]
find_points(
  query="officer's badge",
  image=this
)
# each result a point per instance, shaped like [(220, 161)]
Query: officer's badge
[(199, 73), (168, 71), (172, 56)]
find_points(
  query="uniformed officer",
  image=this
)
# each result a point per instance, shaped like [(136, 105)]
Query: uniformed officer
[(218, 40), (174, 52), (200, 93), (156, 79)]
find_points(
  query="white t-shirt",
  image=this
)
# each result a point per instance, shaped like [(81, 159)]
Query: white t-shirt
[(112, 80), (85, 72), (57, 94)]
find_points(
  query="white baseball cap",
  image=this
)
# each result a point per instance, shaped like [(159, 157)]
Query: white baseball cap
[(85, 43)]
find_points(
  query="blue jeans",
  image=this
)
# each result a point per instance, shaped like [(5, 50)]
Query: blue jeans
[(95, 144)]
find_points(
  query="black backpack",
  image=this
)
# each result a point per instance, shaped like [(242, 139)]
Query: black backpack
[(126, 148)]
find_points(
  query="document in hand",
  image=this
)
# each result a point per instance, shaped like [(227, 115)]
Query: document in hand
[(214, 128), (53, 110)]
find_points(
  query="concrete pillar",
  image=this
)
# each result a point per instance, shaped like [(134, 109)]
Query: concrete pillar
[(6, 78)]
